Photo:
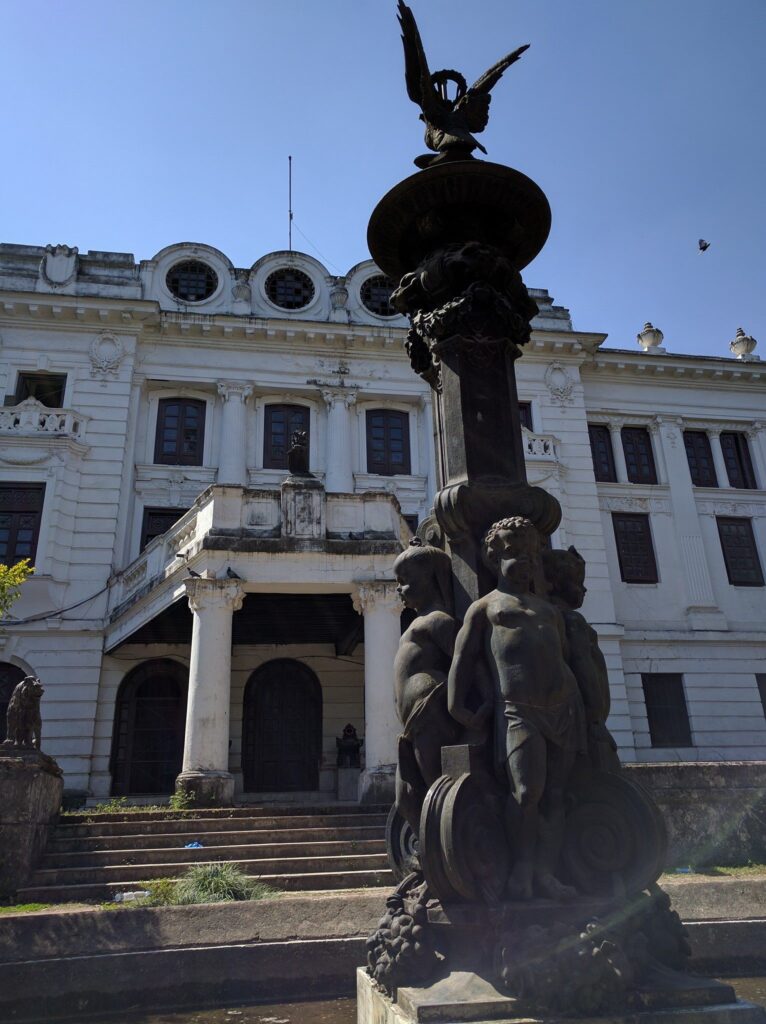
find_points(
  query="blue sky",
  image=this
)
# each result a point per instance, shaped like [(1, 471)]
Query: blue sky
[(129, 126)]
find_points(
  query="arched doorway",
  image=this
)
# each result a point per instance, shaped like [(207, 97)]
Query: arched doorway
[(10, 676), (282, 728), (148, 737)]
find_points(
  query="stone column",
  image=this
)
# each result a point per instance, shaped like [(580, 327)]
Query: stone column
[(756, 440), (718, 461), (430, 448), (232, 462), (381, 607), (339, 476), (615, 428), (205, 771)]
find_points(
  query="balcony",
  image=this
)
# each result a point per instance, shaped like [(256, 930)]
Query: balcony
[(32, 419)]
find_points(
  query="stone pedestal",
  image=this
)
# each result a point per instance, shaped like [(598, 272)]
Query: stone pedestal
[(31, 785), (303, 508), (348, 785)]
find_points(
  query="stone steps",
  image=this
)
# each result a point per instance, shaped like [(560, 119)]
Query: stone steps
[(94, 857)]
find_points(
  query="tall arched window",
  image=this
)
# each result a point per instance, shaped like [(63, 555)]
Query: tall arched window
[(148, 737), (282, 728), (279, 423), (10, 676)]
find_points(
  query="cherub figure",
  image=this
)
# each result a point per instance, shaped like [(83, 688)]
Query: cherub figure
[(449, 122), (424, 577), (518, 640), (565, 576)]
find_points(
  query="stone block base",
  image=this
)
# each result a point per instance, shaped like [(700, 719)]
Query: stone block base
[(462, 997), (376, 785), (209, 789), (348, 785), (31, 787)]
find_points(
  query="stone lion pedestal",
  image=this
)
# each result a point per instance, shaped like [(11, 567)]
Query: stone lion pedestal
[(31, 785)]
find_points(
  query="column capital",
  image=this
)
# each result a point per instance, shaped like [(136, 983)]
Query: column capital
[(334, 396), (376, 593), (714, 431), (204, 594), (615, 424), (752, 432), (229, 389)]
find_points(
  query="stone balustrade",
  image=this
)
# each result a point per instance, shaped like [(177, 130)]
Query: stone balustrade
[(32, 418), (540, 447)]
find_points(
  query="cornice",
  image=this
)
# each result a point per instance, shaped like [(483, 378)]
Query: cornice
[(72, 312), (705, 371)]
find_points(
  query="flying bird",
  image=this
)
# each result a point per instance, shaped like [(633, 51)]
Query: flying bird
[(703, 244), (231, 574), (450, 122)]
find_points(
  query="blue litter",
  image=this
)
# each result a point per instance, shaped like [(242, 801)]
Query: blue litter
[(193, 846), (683, 871)]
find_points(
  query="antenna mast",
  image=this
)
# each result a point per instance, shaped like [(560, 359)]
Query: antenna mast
[(290, 203)]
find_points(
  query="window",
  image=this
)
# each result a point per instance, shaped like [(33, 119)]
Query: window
[(376, 295), (388, 442), (736, 455), (666, 709), (525, 414), (601, 450), (180, 432), (21, 509), (412, 521), (700, 458), (761, 681), (289, 289), (191, 281), (47, 388), (639, 460), (634, 547), (740, 554), (280, 421), (157, 521)]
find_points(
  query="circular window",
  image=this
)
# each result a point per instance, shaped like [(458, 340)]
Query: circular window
[(289, 288), (191, 281), (376, 295)]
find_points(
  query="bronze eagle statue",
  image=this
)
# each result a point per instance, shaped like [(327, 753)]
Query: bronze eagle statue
[(450, 122)]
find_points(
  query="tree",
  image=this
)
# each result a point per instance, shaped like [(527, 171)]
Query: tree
[(11, 579)]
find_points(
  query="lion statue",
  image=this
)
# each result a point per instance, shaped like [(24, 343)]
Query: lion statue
[(24, 724)]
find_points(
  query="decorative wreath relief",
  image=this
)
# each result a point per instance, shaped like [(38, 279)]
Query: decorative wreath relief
[(559, 383), (106, 354)]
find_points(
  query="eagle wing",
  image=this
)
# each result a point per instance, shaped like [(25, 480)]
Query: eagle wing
[(417, 75), (492, 75)]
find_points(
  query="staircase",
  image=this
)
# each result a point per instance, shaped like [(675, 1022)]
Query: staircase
[(94, 856)]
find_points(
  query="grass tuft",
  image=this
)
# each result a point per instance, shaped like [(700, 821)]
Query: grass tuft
[(205, 883)]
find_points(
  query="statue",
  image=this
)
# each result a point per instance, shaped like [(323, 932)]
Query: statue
[(298, 454), (424, 577), (449, 122), (565, 576), (24, 723), (348, 746), (518, 638)]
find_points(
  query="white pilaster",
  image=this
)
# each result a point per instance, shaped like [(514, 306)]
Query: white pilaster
[(339, 475), (621, 469), (381, 607), (756, 440), (429, 440), (232, 462), (718, 461), (205, 770)]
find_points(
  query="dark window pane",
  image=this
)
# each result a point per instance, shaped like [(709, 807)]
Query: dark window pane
[(739, 551), (289, 288), (736, 455), (639, 460), (666, 709), (21, 510), (700, 458), (634, 547), (191, 281), (47, 388), (180, 432), (280, 422), (525, 414), (601, 449), (376, 295), (761, 681), (388, 442), (157, 521)]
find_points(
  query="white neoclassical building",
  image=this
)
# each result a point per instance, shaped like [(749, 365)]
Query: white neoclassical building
[(192, 611)]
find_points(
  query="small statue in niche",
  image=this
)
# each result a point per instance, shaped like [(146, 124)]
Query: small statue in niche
[(424, 577), (23, 720), (349, 746), (519, 640), (565, 576), (298, 454)]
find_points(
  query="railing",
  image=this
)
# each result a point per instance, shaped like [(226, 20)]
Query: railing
[(156, 561), (539, 446), (31, 417)]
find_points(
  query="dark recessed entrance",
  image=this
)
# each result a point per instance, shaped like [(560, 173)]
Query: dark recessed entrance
[(148, 736), (282, 728)]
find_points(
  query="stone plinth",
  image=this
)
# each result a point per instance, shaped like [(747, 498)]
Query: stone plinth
[(303, 508), (31, 785), (348, 784)]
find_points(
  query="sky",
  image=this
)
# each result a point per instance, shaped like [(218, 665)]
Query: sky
[(131, 126)]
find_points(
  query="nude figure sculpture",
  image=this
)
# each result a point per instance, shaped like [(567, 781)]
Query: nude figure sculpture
[(565, 576), (519, 641), (424, 577)]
